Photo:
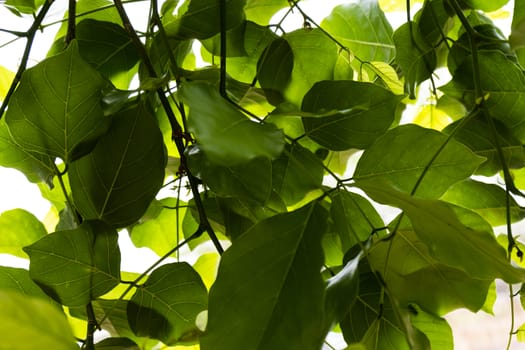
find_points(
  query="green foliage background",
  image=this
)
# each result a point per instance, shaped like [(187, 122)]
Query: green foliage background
[(271, 156)]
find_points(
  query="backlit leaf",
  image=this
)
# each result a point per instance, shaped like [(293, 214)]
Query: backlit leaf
[(6, 77), (18, 280), (456, 237), (503, 83), (488, 200), (166, 305), (121, 193), (484, 5), (269, 292), (314, 58), (76, 266), (358, 113), (414, 159), (436, 329), (354, 217), (226, 136), (274, 69), (261, 11), (19, 228), (26, 322), (56, 110), (363, 28), (35, 166), (414, 55)]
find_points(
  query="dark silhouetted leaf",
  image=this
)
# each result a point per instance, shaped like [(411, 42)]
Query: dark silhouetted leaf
[(121, 193)]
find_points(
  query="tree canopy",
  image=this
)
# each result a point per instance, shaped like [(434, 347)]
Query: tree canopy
[(252, 155)]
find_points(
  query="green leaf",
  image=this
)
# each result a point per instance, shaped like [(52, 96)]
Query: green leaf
[(341, 292), (414, 55), (6, 77), (36, 167), (517, 35), (433, 21), (19, 228), (256, 39), (226, 136), (363, 28), (234, 42), (166, 305), (120, 194), (18, 280), (436, 329), (484, 5), (108, 47), (416, 160), (274, 69), (295, 173), (56, 109), (354, 218), (23, 6), (250, 180), (261, 11), (455, 236), (76, 266), (314, 58), (440, 288), (200, 18), (388, 75), (269, 292), (358, 113), (362, 324), (26, 322), (478, 135), (116, 344), (488, 200), (503, 83), (152, 232)]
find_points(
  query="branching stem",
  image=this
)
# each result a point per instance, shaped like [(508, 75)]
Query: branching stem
[(30, 35)]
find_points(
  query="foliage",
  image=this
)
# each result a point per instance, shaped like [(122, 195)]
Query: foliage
[(223, 129)]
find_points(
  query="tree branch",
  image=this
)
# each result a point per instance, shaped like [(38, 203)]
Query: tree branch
[(30, 34), (71, 21), (177, 131)]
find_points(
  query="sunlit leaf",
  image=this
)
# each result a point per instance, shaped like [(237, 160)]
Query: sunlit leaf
[(436, 329), (414, 55), (488, 200), (363, 28), (35, 166), (314, 58), (358, 113), (6, 77), (26, 322), (261, 11), (264, 283), (484, 5), (76, 266), (116, 344), (431, 117), (121, 193), (388, 75), (226, 136), (414, 159), (56, 110), (166, 305), (16, 279), (19, 228), (455, 236)]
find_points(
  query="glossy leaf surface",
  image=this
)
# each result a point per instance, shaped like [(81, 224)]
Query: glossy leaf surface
[(70, 273)]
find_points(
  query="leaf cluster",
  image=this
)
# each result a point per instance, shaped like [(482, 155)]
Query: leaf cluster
[(253, 159)]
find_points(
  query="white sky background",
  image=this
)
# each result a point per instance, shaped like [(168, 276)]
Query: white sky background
[(17, 192)]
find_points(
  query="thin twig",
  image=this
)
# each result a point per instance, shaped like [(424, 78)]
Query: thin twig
[(30, 35), (177, 131)]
